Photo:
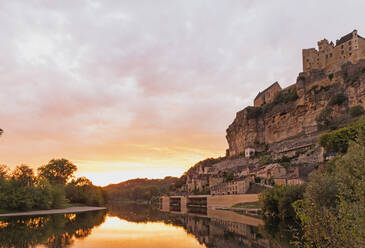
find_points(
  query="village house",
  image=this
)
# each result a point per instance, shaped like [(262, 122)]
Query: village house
[(300, 175), (271, 171), (234, 187)]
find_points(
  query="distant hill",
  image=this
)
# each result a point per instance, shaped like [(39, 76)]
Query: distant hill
[(140, 189)]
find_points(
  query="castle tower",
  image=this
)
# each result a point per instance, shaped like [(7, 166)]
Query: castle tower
[(330, 57)]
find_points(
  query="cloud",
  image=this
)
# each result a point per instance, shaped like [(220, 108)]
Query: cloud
[(150, 82)]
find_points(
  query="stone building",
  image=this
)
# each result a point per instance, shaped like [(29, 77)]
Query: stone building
[(271, 171), (330, 56), (249, 152), (234, 187), (268, 95), (299, 175)]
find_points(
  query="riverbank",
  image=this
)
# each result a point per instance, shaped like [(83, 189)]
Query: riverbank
[(54, 211)]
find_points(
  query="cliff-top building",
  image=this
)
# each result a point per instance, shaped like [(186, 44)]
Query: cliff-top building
[(350, 48)]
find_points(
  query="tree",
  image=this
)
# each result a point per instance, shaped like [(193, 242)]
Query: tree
[(57, 171), (24, 175), (332, 212), (4, 172)]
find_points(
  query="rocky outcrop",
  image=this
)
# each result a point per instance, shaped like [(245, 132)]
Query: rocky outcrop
[(316, 102)]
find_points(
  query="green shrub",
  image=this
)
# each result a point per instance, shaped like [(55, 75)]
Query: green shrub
[(330, 76), (253, 112), (338, 140), (278, 201), (338, 99), (356, 111), (325, 117), (286, 96)]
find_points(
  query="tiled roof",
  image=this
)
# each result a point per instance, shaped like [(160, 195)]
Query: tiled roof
[(345, 38), (260, 93)]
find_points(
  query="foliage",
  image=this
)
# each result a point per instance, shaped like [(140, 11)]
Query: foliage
[(338, 140), (278, 200), (83, 191), (180, 182), (286, 96), (140, 189), (325, 118), (253, 112), (337, 99), (356, 111), (57, 171), (21, 190), (330, 76), (24, 176), (229, 176), (332, 212)]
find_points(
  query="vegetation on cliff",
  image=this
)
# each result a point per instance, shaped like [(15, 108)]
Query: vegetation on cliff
[(338, 140), (330, 208), (21, 190)]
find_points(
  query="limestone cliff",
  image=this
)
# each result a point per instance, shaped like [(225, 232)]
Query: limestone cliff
[(316, 102)]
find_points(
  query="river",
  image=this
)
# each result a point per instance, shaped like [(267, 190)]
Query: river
[(135, 226)]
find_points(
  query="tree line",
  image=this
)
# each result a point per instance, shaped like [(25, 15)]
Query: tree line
[(140, 189), (54, 186)]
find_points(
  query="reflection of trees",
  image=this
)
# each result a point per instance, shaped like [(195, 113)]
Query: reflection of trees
[(51, 230), (136, 212), (211, 232)]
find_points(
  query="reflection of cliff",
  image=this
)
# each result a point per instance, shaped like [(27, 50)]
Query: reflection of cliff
[(218, 229), (51, 230)]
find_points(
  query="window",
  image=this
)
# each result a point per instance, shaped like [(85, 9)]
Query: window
[(350, 42), (342, 46), (342, 52), (326, 56), (350, 54), (349, 48), (331, 55)]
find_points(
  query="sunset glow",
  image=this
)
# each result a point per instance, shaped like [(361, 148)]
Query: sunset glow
[(128, 89)]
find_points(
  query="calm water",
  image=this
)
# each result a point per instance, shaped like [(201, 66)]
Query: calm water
[(134, 226)]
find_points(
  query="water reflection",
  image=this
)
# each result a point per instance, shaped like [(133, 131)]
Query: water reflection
[(212, 228), (60, 230), (135, 226)]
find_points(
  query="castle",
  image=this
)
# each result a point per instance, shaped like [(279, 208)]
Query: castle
[(330, 57), (276, 140), (279, 114)]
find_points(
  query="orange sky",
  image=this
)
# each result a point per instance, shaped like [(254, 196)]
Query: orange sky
[(129, 89)]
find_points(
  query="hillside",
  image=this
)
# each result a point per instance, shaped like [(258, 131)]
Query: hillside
[(139, 189)]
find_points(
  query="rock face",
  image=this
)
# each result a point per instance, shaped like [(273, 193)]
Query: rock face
[(316, 102)]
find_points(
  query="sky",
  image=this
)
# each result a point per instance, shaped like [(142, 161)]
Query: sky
[(141, 88)]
